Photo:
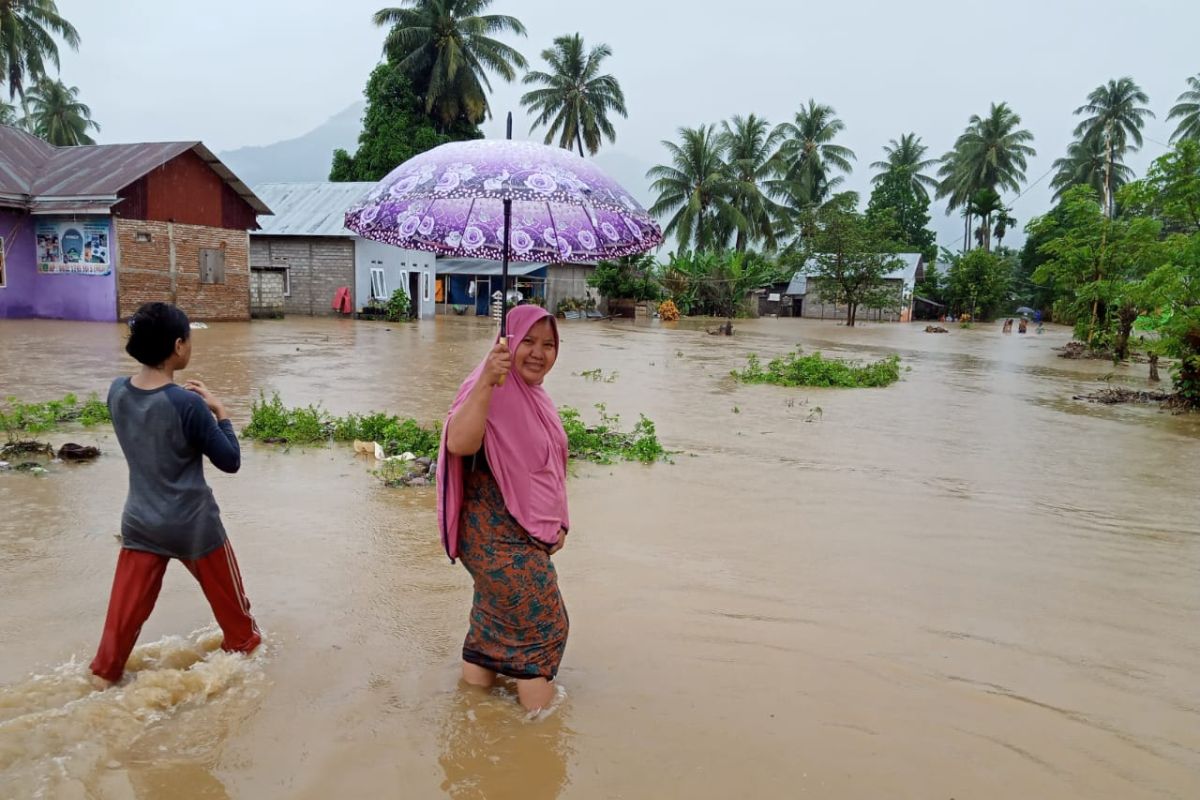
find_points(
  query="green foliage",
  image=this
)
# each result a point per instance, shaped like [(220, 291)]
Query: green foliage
[(716, 284), (27, 45), (1187, 111), (272, 421), (395, 128), (992, 153), (809, 157), (1095, 263), (697, 190), (606, 443), (399, 307), (628, 278), (1170, 191), (797, 369), (57, 116), (897, 209), (17, 417), (597, 375), (851, 255), (575, 99), (979, 283), (446, 48)]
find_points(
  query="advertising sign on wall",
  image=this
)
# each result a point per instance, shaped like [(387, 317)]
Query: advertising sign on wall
[(70, 247)]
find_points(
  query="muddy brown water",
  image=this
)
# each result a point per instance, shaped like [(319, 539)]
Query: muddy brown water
[(966, 585)]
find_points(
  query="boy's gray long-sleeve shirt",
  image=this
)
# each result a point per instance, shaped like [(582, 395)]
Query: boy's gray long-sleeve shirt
[(165, 434)]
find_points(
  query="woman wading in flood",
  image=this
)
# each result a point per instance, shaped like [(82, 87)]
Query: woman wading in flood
[(502, 509)]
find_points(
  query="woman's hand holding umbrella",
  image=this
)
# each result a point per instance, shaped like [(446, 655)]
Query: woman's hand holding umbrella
[(499, 363)]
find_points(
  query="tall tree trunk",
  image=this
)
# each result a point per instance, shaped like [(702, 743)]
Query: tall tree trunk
[(1126, 316), (851, 314), (1108, 193), (1154, 368), (579, 141), (966, 232)]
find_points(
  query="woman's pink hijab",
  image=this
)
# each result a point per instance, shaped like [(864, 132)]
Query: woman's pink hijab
[(526, 449)]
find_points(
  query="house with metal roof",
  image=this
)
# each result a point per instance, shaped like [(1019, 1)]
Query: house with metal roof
[(92, 232), (303, 256), (803, 293)]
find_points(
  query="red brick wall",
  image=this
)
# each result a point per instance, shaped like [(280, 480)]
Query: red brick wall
[(145, 274)]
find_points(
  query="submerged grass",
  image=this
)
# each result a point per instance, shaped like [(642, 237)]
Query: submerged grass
[(798, 369), (272, 421), (602, 443), (18, 417)]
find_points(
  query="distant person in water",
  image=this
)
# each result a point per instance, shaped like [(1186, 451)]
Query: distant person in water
[(165, 432), (1023, 326), (1007, 326), (502, 509)]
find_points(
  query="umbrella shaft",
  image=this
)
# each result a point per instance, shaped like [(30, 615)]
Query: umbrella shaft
[(504, 270)]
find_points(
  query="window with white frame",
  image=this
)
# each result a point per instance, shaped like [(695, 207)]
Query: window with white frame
[(287, 282), (378, 284), (425, 285)]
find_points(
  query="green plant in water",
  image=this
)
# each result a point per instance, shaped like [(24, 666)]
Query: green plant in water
[(17, 417), (399, 307), (797, 369), (272, 421), (606, 443), (599, 376)]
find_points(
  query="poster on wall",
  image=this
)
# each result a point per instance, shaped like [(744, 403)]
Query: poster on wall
[(68, 247)]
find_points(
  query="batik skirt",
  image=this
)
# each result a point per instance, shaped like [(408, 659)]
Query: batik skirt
[(518, 620)]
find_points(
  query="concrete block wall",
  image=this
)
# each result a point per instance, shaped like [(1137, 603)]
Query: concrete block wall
[(317, 265), (266, 292), (166, 267)]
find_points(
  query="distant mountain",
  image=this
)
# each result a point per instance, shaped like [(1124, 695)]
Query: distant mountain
[(308, 158), (305, 158)]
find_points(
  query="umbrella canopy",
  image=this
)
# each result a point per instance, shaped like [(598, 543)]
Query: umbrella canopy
[(1025, 310), (450, 200)]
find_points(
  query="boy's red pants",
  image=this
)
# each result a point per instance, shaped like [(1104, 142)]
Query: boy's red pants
[(136, 586)]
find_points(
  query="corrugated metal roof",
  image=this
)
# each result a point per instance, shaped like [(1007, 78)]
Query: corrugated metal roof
[(42, 173), (482, 266), (906, 273), (309, 209)]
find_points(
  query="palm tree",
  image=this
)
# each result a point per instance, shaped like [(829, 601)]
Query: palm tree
[(1086, 164), (446, 48), (749, 150), (1005, 222), (1115, 117), (908, 156), (697, 190), (992, 153), (575, 95), (1187, 109), (985, 204), (27, 41), (809, 155), (8, 114), (57, 116)]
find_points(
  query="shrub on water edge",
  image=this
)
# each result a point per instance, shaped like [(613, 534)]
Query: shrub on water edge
[(797, 369), (606, 443), (272, 421), (16, 416), (399, 307)]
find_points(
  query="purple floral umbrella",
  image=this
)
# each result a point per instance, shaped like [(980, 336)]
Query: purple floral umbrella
[(458, 199)]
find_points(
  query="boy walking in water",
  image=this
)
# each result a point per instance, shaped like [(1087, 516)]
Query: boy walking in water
[(166, 431)]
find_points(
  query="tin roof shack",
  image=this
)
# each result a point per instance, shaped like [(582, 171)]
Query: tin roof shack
[(804, 291), (92, 232)]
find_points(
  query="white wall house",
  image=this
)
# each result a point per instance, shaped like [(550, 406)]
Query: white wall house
[(308, 240)]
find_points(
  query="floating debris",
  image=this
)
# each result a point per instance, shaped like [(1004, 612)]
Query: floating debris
[(935, 329), (78, 452), (1118, 394), (28, 447)]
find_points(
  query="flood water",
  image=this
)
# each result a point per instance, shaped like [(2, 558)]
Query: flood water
[(967, 585)]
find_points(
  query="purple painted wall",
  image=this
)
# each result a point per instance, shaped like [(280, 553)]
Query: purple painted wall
[(27, 293)]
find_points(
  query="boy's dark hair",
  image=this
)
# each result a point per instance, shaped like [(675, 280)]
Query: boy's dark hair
[(153, 330)]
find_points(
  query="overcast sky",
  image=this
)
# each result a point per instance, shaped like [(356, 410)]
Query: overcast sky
[(244, 72)]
